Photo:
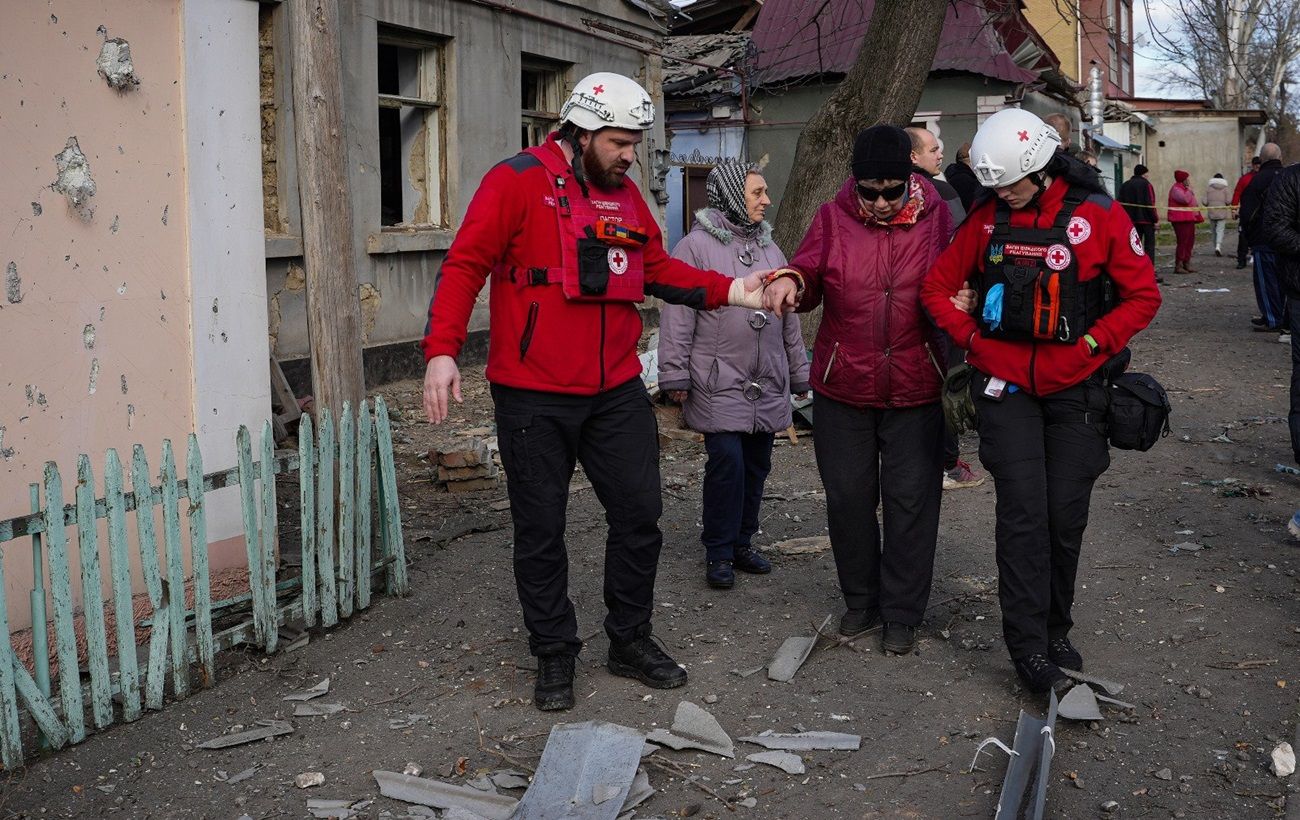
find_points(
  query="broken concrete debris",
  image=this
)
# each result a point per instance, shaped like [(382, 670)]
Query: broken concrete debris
[(509, 779), (307, 780), (1282, 763), (792, 654), (785, 761), (115, 66), (586, 772), (803, 546), (1110, 687), (317, 709), (1080, 704), (336, 809), (74, 180), (467, 469), (805, 741), (694, 728), (424, 792), (265, 729), (315, 691)]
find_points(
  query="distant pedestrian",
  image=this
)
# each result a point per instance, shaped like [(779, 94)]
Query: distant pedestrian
[(1139, 201), (1243, 248), (1218, 201), (732, 369), (1184, 214), (927, 159), (1063, 128), (1268, 293), (960, 176), (1281, 228)]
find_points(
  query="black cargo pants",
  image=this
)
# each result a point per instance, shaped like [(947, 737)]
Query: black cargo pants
[(1044, 453), (615, 436)]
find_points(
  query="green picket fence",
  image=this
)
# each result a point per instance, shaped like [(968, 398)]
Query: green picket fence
[(349, 472)]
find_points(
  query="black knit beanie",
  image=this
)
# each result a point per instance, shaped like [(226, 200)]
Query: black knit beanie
[(882, 152)]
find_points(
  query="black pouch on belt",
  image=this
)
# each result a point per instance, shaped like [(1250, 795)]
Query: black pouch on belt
[(593, 265)]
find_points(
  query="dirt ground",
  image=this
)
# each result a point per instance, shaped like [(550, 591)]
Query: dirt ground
[(1205, 640)]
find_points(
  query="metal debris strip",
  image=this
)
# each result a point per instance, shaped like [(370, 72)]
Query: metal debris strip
[(586, 773), (321, 688), (1031, 751), (640, 791), (438, 795), (792, 655), (1110, 687), (510, 779), (806, 741), (317, 709), (265, 729), (1080, 703), (694, 728), (785, 761)]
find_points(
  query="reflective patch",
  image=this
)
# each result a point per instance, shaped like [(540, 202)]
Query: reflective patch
[(617, 261), (1058, 257), (1078, 230), (1135, 241)]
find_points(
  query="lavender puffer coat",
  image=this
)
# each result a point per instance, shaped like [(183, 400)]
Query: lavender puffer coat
[(717, 355)]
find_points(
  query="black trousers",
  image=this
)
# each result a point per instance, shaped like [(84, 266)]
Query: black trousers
[(1293, 417), (1044, 453), (616, 438), (866, 456), (1148, 234), (734, 475), (1243, 247)]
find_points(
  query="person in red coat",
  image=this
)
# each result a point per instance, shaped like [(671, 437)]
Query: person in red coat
[(571, 247), (1243, 247), (1049, 232), (876, 381), (1184, 214)]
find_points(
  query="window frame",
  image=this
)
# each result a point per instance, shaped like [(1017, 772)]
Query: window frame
[(538, 122), (431, 51)]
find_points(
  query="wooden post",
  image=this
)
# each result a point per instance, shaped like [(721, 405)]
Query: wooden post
[(333, 301)]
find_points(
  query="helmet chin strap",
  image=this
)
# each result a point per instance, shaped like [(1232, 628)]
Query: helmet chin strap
[(1039, 183), (577, 165)]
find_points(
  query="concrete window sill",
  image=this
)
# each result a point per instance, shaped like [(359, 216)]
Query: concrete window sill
[(409, 240), (281, 246)]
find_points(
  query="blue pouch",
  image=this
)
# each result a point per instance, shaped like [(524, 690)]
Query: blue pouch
[(993, 307)]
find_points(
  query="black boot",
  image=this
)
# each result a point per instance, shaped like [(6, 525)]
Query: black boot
[(1040, 674), (554, 688), (643, 659), (1062, 653), (856, 622), (899, 639), (719, 575), (752, 561)]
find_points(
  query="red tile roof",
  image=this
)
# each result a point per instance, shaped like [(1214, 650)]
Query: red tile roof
[(799, 38)]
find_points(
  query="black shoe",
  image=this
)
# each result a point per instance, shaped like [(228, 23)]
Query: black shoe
[(752, 561), (1040, 674), (898, 638), (1062, 653), (554, 688), (644, 660), (855, 622), (1257, 321), (719, 575), (1241, 267)]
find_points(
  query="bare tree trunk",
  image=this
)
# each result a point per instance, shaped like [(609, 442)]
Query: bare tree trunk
[(333, 302), (884, 85)]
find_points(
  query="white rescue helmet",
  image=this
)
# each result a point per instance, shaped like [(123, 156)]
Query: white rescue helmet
[(1011, 145), (608, 100)]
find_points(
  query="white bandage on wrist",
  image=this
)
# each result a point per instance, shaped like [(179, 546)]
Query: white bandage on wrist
[(740, 298)]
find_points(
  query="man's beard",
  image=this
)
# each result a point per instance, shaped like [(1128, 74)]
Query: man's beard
[(607, 178)]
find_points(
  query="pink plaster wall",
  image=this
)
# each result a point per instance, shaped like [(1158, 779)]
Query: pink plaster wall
[(123, 272)]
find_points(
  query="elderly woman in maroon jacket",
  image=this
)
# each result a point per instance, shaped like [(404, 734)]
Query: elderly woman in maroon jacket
[(733, 369), (876, 379)]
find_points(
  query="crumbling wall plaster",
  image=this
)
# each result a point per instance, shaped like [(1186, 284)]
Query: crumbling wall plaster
[(114, 63)]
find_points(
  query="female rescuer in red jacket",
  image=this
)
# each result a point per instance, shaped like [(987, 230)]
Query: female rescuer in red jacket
[(1063, 283)]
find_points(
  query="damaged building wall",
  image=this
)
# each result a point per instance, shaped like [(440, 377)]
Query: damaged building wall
[(397, 267), (98, 322)]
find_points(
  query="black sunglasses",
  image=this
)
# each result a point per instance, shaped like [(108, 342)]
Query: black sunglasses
[(890, 194)]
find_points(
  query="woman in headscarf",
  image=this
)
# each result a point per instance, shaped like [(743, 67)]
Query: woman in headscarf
[(732, 369), (1183, 215)]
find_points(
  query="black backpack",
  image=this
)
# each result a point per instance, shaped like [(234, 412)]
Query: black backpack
[(1139, 410)]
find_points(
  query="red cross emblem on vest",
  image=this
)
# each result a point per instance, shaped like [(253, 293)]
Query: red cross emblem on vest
[(1024, 136), (1079, 230), (600, 89), (1058, 257), (617, 258)]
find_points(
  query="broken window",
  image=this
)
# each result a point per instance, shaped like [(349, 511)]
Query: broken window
[(542, 87), (412, 131)]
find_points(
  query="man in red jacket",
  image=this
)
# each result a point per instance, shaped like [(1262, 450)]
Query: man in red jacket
[(570, 247), (1063, 282)]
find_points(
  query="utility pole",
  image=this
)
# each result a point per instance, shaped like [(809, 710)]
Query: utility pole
[(333, 302)]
